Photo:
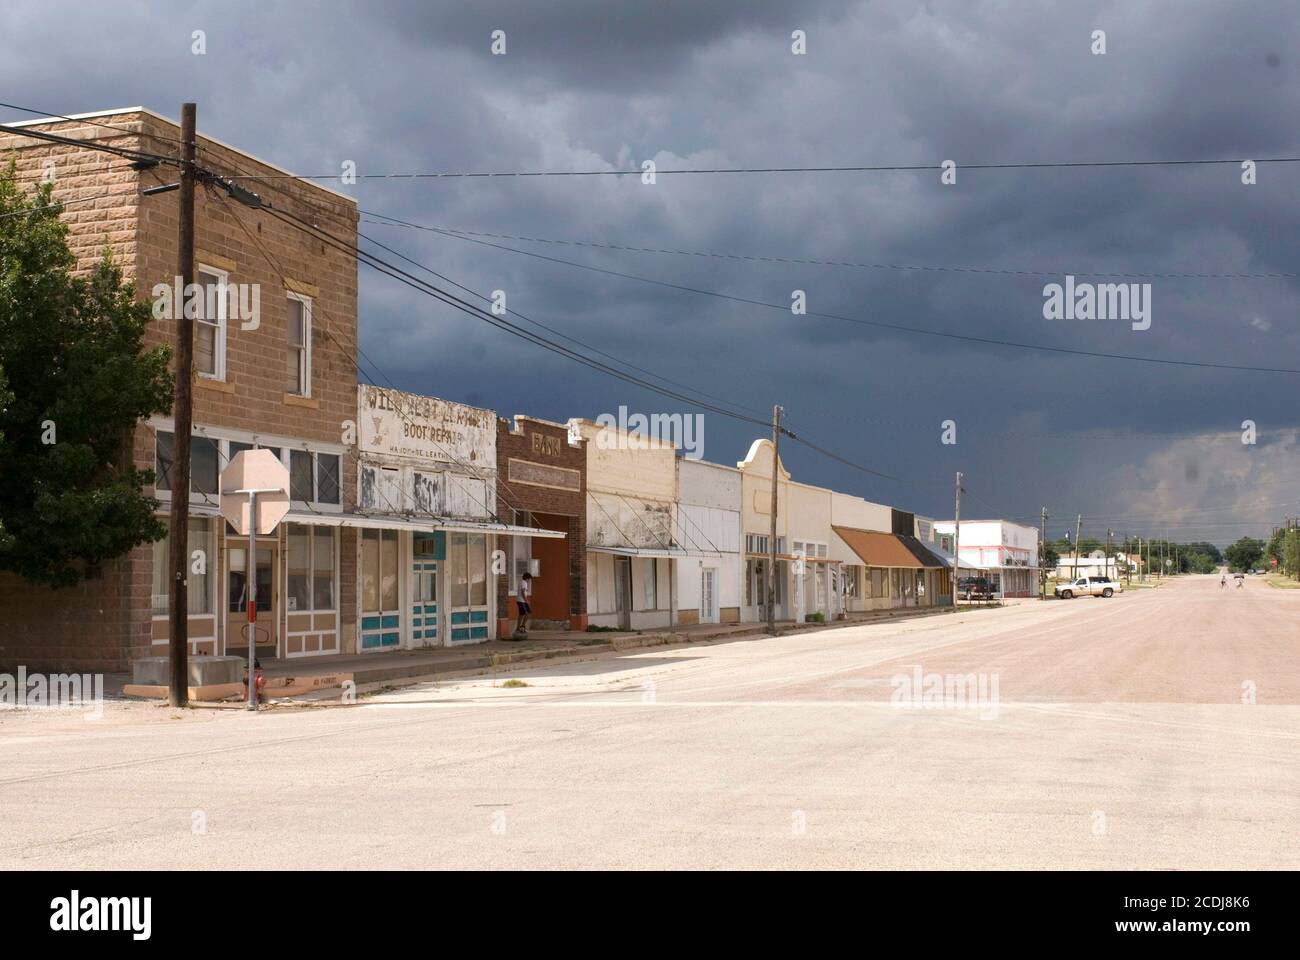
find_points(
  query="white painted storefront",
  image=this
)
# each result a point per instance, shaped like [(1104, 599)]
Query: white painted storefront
[(710, 577)]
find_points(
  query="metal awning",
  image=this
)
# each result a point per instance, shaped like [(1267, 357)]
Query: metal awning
[(673, 551), (375, 521), (879, 549)]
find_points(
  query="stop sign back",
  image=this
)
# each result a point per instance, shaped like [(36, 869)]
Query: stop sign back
[(260, 471)]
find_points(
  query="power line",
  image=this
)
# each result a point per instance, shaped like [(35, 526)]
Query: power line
[(139, 156), (275, 265), (388, 221), (549, 329), (91, 121), (857, 168), (383, 266), (423, 286), (901, 328)]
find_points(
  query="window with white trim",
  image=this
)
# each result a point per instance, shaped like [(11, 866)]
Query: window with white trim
[(210, 323), (200, 564), (310, 567), (314, 477), (299, 337)]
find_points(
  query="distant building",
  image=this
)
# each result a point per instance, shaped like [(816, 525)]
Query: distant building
[(1004, 553), (1095, 564)]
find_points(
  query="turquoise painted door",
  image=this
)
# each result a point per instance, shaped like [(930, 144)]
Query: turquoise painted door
[(424, 602), (381, 621)]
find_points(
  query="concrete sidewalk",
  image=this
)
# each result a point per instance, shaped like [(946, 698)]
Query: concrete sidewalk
[(407, 665)]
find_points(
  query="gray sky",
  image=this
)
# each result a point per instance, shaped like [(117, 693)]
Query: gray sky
[(413, 86)]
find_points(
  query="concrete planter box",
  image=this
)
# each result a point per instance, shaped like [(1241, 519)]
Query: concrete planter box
[(203, 671)]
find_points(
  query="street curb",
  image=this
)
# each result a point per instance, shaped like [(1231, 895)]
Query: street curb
[(491, 662)]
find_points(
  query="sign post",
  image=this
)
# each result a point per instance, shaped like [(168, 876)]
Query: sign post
[(254, 499)]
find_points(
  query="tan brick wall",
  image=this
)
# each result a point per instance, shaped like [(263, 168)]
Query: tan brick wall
[(109, 621)]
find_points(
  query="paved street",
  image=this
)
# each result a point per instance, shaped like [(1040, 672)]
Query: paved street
[(1109, 734)]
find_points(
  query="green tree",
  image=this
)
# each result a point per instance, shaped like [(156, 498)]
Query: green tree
[(79, 380), (1244, 554)]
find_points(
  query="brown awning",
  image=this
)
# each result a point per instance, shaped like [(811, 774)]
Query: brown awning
[(879, 549)]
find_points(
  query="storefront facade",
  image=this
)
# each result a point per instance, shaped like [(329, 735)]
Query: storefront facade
[(541, 483), (1003, 552), (434, 540), (756, 472), (710, 574), (298, 567), (631, 524)]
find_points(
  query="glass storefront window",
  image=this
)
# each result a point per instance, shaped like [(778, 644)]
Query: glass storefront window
[(369, 570), (477, 545), (388, 569), (458, 569), (322, 564), (298, 595), (311, 567), (199, 595)]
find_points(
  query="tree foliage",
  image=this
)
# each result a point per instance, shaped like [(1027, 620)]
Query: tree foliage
[(78, 381), (1245, 554)]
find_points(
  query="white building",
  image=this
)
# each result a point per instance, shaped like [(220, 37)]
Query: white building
[(1095, 564), (709, 578), (1005, 553)]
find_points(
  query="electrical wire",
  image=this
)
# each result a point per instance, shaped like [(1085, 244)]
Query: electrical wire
[(388, 221)]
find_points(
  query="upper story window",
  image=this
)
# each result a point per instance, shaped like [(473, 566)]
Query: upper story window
[(313, 476), (205, 462), (210, 327), (299, 338)]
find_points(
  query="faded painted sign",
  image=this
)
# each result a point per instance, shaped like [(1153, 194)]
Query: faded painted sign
[(396, 424), (544, 475)]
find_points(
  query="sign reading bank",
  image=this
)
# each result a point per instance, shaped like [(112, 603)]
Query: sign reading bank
[(391, 423)]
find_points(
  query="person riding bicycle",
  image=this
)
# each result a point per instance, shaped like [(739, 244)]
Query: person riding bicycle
[(1223, 580)]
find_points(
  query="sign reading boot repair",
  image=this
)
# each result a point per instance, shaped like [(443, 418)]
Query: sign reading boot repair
[(391, 423)]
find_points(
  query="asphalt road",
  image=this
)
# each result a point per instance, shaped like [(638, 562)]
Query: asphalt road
[(1159, 729)]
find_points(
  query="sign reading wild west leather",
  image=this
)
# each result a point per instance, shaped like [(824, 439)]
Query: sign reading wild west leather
[(396, 424)]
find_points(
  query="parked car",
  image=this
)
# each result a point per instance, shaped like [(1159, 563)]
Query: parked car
[(1088, 587), (974, 588)]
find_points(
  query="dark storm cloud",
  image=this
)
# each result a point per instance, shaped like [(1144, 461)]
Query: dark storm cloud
[(586, 85)]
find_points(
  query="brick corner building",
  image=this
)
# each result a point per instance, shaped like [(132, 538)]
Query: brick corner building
[(286, 382)]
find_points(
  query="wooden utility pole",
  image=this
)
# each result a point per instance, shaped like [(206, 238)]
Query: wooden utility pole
[(1128, 561), (1042, 546), (183, 417), (771, 540), (956, 544), (1078, 526)]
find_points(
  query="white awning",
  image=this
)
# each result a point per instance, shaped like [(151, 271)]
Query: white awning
[(376, 521), (673, 551)]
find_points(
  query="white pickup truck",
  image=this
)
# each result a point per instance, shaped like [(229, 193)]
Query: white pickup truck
[(1088, 587)]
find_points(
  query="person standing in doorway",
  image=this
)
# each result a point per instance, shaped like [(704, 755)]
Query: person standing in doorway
[(525, 604)]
